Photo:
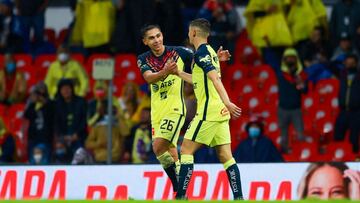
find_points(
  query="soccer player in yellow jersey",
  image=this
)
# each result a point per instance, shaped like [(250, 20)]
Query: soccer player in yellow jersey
[(210, 126), (159, 67)]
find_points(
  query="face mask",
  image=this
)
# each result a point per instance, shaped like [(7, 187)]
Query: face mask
[(10, 67), (37, 158), (290, 63), (254, 132), (63, 57)]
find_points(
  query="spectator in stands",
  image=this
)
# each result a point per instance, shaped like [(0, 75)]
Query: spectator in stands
[(264, 21), (131, 18), (97, 108), (39, 155), (12, 82), (301, 28), (349, 103), (11, 30), (65, 67), (62, 153), (325, 181), (32, 16), (224, 21), (7, 145), (129, 102), (315, 53), (139, 142), (94, 24), (345, 19), (256, 148), (96, 142), (316, 49), (345, 47), (292, 84), (70, 116), (357, 38), (40, 114), (81, 157)]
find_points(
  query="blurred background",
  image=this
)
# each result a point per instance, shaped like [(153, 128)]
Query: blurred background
[(294, 72)]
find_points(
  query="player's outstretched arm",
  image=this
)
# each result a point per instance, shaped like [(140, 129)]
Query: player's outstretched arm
[(169, 68), (233, 109), (223, 55), (185, 76)]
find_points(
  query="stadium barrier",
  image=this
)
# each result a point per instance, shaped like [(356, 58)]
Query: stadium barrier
[(209, 182)]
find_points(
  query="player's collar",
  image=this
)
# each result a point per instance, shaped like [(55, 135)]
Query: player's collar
[(165, 50)]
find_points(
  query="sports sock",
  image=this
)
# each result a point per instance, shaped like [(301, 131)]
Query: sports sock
[(177, 164), (186, 170), (233, 174), (167, 162)]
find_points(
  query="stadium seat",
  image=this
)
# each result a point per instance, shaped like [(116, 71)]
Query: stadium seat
[(272, 129), (305, 152), (237, 129), (44, 61), (79, 58), (309, 103), (30, 76), (50, 36), (126, 68), (23, 60), (340, 151), (262, 73), (15, 115), (63, 34), (245, 51)]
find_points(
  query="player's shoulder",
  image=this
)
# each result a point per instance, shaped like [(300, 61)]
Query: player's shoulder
[(203, 50), (141, 59), (202, 53), (183, 50), (144, 55)]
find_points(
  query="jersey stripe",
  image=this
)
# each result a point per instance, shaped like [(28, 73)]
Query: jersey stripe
[(196, 130), (176, 129), (182, 97), (207, 96)]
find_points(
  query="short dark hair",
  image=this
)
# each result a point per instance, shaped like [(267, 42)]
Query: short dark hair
[(202, 24), (146, 28), (353, 56)]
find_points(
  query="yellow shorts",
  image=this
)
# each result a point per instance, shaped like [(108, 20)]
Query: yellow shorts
[(168, 128), (210, 133)]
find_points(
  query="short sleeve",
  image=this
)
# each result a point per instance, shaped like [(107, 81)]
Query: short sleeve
[(203, 59)]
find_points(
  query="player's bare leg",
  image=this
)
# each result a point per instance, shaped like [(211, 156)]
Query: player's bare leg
[(188, 148), (167, 156), (225, 157)]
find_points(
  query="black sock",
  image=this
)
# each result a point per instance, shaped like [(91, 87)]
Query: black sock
[(186, 171), (233, 174), (171, 172)]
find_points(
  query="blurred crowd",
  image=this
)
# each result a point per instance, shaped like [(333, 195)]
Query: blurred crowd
[(61, 117)]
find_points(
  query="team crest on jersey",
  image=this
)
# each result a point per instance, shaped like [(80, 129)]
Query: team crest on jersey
[(224, 111), (139, 63), (205, 59)]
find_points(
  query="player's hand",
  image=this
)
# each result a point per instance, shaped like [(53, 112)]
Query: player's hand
[(233, 109), (223, 55), (170, 67), (354, 189)]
